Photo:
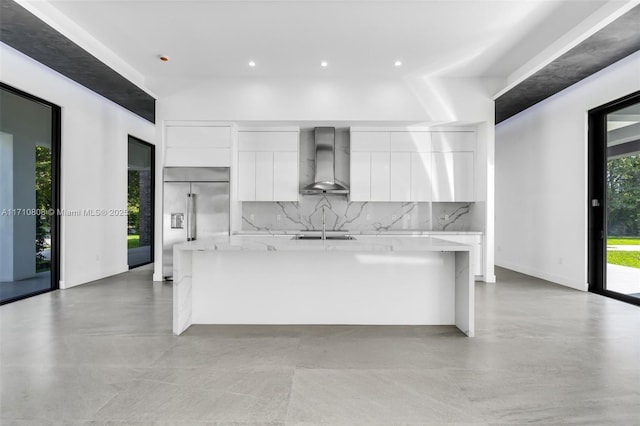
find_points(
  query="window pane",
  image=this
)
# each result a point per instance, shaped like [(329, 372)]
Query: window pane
[(623, 201), (140, 203), (25, 196)]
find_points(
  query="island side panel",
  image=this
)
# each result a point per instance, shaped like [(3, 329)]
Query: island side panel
[(182, 290), (329, 287), (465, 293)]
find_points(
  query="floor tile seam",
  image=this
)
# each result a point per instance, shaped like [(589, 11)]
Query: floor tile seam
[(161, 354), (577, 370), (405, 370), (371, 369), (460, 394), (291, 391), (226, 369)]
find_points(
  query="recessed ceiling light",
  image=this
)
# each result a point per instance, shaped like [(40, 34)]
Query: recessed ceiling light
[(398, 63), (252, 64), (164, 58), (324, 64)]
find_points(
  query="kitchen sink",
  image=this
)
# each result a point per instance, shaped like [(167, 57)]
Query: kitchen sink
[(319, 237)]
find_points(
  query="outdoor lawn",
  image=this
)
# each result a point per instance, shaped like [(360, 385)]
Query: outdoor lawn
[(624, 258), (623, 241), (133, 241)]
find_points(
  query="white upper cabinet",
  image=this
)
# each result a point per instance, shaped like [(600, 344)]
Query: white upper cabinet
[(268, 165), (360, 176), (370, 163), (453, 165), (264, 176), (410, 165), (453, 141), (246, 175), (400, 176), (410, 141), (268, 141), (420, 176), (197, 144), (285, 167), (370, 141), (453, 176), (380, 178)]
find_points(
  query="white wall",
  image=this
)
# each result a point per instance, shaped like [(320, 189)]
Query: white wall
[(6, 202), (416, 100), (541, 178), (94, 165), (345, 99)]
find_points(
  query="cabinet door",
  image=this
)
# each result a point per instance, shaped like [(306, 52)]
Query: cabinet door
[(264, 176), (453, 176), (285, 176), (267, 141), (400, 176), (360, 176), (410, 141), (453, 141), (247, 176), (197, 146), (421, 176), (370, 141), (198, 137), (380, 178)]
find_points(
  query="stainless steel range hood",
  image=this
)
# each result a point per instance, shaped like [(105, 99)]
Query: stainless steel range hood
[(325, 179)]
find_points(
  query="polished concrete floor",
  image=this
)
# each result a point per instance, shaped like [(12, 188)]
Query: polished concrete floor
[(103, 354)]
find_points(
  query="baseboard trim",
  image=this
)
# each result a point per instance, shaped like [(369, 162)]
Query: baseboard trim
[(487, 278), (65, 284), (556, 279)]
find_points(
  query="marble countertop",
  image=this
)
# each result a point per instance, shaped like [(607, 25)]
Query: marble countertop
[(415, 232), (281, 243)]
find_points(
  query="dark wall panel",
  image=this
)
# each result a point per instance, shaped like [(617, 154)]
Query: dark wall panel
[(612, 43), (28, 34)]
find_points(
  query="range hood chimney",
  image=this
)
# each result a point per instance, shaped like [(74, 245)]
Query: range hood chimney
[(325, 179)]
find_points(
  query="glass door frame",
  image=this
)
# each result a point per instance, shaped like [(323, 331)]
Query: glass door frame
[(56, 137), (152, 159), (597, 197)]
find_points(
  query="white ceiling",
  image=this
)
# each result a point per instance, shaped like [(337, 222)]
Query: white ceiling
[(209, 38)]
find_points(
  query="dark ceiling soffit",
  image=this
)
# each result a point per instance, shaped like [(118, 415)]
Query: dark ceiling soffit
[(617, 40), (26, 33)]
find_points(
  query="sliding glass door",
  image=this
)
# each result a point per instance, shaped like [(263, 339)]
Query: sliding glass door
[(29, 171), (615, 199)]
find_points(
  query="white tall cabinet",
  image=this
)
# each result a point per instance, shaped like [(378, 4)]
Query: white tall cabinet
[(197, 144), (453, 163), (412, 165), (268, 164)]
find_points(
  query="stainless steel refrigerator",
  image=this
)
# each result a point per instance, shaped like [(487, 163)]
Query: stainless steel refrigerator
[(196, 206)]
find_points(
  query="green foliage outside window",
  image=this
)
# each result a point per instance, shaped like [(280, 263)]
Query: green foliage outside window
[(133, 201), (43, 204), (623, 196)]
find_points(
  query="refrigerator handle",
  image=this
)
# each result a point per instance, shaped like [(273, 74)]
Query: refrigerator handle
[(191, 217)]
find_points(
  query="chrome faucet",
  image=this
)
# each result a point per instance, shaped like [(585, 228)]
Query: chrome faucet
[(324, 226)]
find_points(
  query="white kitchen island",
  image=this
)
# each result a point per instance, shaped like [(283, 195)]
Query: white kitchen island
[(280, 280)]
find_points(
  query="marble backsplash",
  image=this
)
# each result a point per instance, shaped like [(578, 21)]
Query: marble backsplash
[(352, 216), (341, 214)]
